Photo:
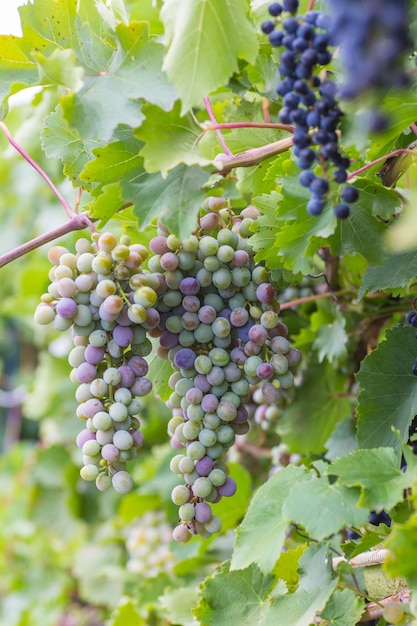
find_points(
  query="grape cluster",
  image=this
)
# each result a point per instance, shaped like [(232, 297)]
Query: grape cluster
[(411, 319), (310, 104), (104, 296), (373, 36), (147, 545), (221, 332)]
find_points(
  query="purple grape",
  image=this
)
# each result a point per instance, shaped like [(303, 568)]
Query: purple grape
[(209, 403), (265, 371), (109, 452), (141, 387), (265, 292), (91, 407), (203, 512), (258, 334), (189, 286), (94, 355), (201, 382), (123, 336), (86, 373), (153, 318), (239, 317), (228, 488), (238, 356), (204, 466), (138, 438), (66, 308), (127, 376), (83, 436), (138, 365), (241, 415), (207, 314), (191, 304), (184, 358), (168, 340), (243, 331)]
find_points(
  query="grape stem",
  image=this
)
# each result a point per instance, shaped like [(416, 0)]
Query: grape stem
[(227, 125), (253, 156), (311, 4), (67, 208), (379, 160), (77, 222), (212, 117), (413, 127)]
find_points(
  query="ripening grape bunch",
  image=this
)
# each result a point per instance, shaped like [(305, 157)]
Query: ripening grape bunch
[(147, 545), (104, 297), (220, 329), (309, 102), (373, 39)]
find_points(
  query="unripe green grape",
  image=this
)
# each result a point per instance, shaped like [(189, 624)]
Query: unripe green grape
[(225, 434), (107, 241), (173, 423), (122, 440), (186, 260), (269, 319), (180, 495), (76, 356), (99, 388), (208, 246), (112, 376), (241, 276), (105, 436), (227, 237), (83, 393), (249, 291), (225, 253), (232, 397), (251, 365), (120, 252), (191, 430), (145, 296), (214, 525), (172, 299), (142, 349), (69, 260), (185, 465), (122, 482), (222, 278), (61, 324), (203, 333), (118, 411), (215, 452), (89, 472), (186, 338), (134, 407), (91, 448), (280, 363), (186, 512), (211, 264), (103, 482), (286, 381), (393, 613), (191, 477), (202, 487), (190, 244), (195, 413), (179, 433), (174, 464), (219, 357), (211, 421), (196, 450), (102, 420), (44, 314), (207, 437), (217, 477)]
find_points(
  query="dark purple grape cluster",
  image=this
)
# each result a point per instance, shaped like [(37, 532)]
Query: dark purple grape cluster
[(374, 39), (310, 104)]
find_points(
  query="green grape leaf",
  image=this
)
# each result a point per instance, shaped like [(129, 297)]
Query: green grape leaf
[(328, 326), (316, 585), (159, 373), (323, 509), (126, 615), (60, 69), (235, 598), (261, 535), (343, 608), (318, 406), (177, 605), (265, 231), (114, 161), (61, 141), (175, 199), (385, 375), (377, 472), (396, 271), (107, 204), (169, 139), (196, 28), (133, 71), (17, 67)]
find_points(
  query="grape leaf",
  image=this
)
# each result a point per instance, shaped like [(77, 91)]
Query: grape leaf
[(114, 161), (317, 583), (323, 508), (260, 537), (385, 375), (396, 271), (177, 605), (60, 69), (235, 598), (169, 139), (196, 28), (265, 228), (318, 406), (377, 472), (61, 141), (126, 615), (328, 326), (175, 199), (402, 544), (159, 372), (17, 67), (106, 204), (343, 608)]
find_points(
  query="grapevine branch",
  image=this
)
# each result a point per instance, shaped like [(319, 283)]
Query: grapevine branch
[(67, 208), (78, 222)]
